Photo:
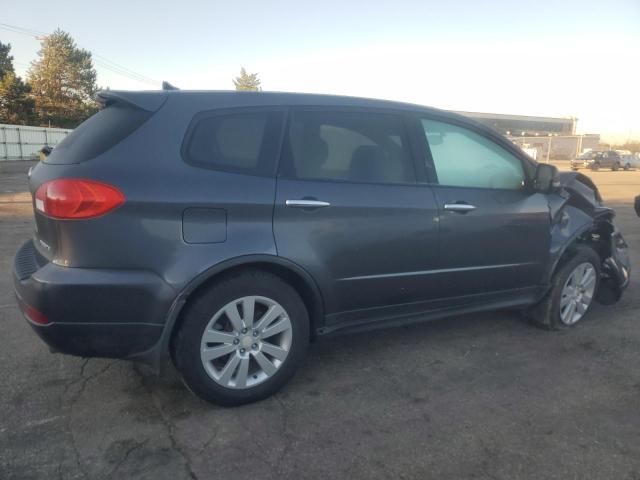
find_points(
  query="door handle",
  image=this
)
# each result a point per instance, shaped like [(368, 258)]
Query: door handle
[(306, 204), (459, 207)]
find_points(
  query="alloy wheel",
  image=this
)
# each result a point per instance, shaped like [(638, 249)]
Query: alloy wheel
[(577, 293), (246, 342)]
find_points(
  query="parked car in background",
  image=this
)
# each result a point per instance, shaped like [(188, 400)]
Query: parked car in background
[(226, 230), (596, 160), (629, 161), (584, 160)]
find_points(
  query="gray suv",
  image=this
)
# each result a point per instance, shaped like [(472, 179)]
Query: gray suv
[(596, 160), (227, 230)]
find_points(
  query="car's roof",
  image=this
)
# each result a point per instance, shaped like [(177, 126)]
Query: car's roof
[(149, 99)]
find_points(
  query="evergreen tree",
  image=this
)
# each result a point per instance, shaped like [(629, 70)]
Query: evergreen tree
[(63, 82), (6, 60), (247, 81), (16, 106)]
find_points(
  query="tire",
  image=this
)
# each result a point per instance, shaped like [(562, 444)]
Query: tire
[(615, 167), (550, 313), (268, 292), (595, 167), (627, 167)]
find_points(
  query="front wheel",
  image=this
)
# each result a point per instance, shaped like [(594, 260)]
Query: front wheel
[(595, 167), (243, 339), (627, 166), (615, 167), (572, 291)]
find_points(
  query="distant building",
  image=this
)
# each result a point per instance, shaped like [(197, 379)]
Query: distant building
[(524, 125), (551, 137)]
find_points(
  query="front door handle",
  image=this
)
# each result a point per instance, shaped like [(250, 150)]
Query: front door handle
[(459, 207), (306, 204)]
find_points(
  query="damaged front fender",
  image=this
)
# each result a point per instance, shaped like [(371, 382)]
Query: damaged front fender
[(578, 216)]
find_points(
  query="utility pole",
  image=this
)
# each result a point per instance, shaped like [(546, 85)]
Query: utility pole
[(579, 145)]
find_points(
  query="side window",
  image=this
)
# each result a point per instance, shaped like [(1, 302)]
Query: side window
[(348, 146), (244, 142), (463, 158)]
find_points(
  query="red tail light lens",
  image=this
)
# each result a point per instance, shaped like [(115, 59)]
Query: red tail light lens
[(71, 198), (33, 315)]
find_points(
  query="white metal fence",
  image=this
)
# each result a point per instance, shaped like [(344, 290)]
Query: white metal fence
[(19, 142)]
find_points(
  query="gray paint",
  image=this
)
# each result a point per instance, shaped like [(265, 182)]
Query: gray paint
[(405, 257), (204, 225)]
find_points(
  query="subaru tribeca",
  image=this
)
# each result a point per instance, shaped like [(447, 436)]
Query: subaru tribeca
[(225, 230)]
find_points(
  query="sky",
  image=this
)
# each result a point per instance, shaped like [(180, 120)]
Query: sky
[(551, 58)]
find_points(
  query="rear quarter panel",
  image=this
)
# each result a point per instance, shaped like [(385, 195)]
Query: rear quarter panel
[(146, 232)]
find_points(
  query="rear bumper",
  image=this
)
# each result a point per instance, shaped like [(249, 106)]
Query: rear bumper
[(91, 312), (582, 164)]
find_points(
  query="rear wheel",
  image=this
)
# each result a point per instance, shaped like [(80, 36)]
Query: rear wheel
[(572, 291), (627, 166), (241, 340), (615, 167)]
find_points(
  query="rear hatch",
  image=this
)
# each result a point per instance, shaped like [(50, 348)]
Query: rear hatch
[(121, 114)]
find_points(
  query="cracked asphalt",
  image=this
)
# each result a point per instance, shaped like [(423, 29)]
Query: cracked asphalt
[(481, 396)]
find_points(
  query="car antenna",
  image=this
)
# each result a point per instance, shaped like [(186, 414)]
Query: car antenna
[(167, 86)]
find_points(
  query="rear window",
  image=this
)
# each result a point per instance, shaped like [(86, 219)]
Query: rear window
[(98, 134), (243, 142)]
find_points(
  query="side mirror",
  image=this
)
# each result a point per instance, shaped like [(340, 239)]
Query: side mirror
[(636, 205), (546, 179)]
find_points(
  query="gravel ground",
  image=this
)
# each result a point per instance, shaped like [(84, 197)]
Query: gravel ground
[(481, 396)]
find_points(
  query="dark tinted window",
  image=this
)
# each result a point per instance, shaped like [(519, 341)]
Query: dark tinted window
[(348, 146), (241, 141), (98, 133)]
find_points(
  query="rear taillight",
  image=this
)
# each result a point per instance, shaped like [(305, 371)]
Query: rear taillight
[(33, 315), (73, 198)]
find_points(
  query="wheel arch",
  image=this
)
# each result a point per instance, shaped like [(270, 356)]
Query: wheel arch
[(289, 271), (594, 233), (563, 252)]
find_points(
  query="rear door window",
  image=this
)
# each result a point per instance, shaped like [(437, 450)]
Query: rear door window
[(352, 146), (240, 141)]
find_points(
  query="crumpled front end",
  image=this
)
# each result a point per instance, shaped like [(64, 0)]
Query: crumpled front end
[(616, 270), (579, 215)]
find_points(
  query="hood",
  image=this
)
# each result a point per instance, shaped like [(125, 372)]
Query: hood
[(579, 191)]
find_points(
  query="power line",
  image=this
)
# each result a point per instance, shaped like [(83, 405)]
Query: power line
[(103, 62), (111, 65), (23, 31)]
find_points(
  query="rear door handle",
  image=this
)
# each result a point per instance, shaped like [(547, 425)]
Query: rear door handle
[(459, 207), (306, 204)]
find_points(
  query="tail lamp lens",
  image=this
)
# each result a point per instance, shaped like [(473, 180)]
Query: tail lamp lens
[(71, 198), (32, 314)]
